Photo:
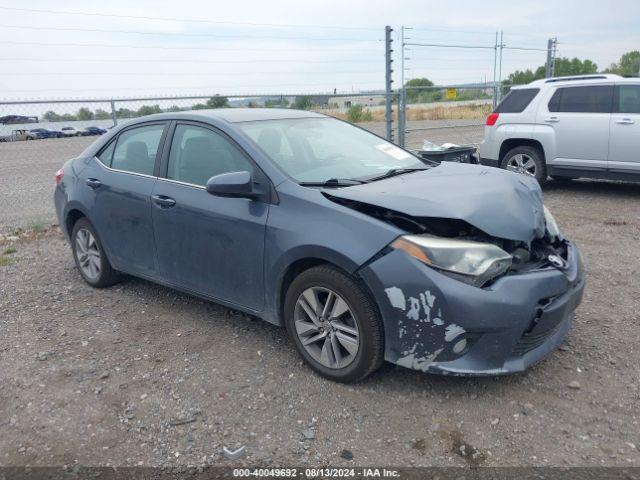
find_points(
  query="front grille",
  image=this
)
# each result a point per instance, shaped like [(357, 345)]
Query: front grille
[(530, 341)]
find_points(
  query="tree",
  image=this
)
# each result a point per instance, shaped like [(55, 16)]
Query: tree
[(281, 102), (563, 67), (174, 108), (415, 94), (628, 65), (125, 113), (51, 116), (101, 114), (149, 109), (218, 102), (302, 103), (84, 114)]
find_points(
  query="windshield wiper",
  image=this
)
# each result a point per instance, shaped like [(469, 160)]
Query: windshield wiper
[(395, 172), (334, 182)]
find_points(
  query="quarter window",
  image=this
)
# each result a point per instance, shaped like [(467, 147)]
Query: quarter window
[(107, 154), (628, 99), (136, 149), (517, 100), (589, 99), (198, 153)]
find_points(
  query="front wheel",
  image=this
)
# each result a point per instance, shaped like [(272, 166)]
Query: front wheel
[(334, 324), (526, 161), (90, 257)]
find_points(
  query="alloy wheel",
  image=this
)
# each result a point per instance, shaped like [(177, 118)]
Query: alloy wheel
[(88, 254), (326, 327), (522, 163)]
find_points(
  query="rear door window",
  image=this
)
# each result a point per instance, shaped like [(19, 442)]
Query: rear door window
[(517, 100), (587, 99), (627, 99), (136, 149)]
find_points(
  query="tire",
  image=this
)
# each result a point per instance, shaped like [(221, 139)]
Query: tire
[(517, 159), (105, 275), (361, 316)]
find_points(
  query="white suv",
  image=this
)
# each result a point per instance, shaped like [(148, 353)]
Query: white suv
[(567, 127)]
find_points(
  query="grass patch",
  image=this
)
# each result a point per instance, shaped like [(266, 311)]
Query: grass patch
[(9, 251), (38, 226), (4, 261)]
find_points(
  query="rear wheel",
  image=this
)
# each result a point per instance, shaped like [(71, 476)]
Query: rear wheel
[(90, 257), (526, 161), (334, 324)]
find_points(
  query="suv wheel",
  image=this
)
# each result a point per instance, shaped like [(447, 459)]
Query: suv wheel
[(90, 257), (527, 161), (334, 324)]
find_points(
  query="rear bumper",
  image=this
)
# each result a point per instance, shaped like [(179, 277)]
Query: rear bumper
[(439, 325)]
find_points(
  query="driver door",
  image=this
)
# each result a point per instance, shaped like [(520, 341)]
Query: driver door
[(207, 244)]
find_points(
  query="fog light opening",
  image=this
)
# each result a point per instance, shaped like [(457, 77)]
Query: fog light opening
[(459, 346)]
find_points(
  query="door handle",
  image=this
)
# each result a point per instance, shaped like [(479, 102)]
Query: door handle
[(625, 121), (552, 119), (93, 183), (163, 201)]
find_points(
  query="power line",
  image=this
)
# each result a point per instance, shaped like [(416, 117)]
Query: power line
[(163, 47), (199, 87), (206, 35), (181, 74), (215, 62), (186, 20)]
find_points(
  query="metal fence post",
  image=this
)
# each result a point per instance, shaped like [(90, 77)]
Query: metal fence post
[(388, 113), (402, 97), (113, 113)]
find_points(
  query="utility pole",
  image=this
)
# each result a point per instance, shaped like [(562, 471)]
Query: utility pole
[(388, 60), (495, 69), (500, 67), (551, 57)]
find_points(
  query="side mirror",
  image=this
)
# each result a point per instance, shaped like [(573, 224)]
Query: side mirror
[(232, 184)]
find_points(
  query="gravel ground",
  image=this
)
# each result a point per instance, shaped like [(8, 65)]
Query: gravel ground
[(139, 374)]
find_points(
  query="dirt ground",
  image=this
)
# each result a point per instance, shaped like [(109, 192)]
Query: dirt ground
[(138, 374)]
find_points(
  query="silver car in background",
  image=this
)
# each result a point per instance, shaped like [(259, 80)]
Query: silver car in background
[(567, 127)]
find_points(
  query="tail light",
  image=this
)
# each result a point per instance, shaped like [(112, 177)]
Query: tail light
[(59, 175), (492, 119)]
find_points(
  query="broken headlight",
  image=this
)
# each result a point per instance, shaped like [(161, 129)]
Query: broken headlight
[(471, 262), (552, 226)]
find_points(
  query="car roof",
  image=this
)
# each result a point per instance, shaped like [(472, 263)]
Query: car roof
[(572, 80), (236, 115)]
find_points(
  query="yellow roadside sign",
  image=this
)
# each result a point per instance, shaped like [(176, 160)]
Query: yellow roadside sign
[(451, 93)]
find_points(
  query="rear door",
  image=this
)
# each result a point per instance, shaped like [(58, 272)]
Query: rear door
[(208, 244), (624, 146), (579, 117), (119, 184)]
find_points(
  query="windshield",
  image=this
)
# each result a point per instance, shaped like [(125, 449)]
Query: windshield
[(316, 150)]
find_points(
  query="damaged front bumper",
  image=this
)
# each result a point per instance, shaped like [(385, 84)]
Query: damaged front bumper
[(439, 325)]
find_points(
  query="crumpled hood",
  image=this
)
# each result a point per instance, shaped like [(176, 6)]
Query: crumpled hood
[(500, 203)]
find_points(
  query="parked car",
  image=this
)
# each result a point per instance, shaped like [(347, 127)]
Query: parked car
[(19, 135), (361, 250), (568, 127), (70, 132), (45, 133), (93, 131)]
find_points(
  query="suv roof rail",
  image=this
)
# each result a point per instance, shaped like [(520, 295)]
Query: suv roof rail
[(581, 77)]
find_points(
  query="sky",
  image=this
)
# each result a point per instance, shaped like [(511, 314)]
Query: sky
[(72, 49)]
